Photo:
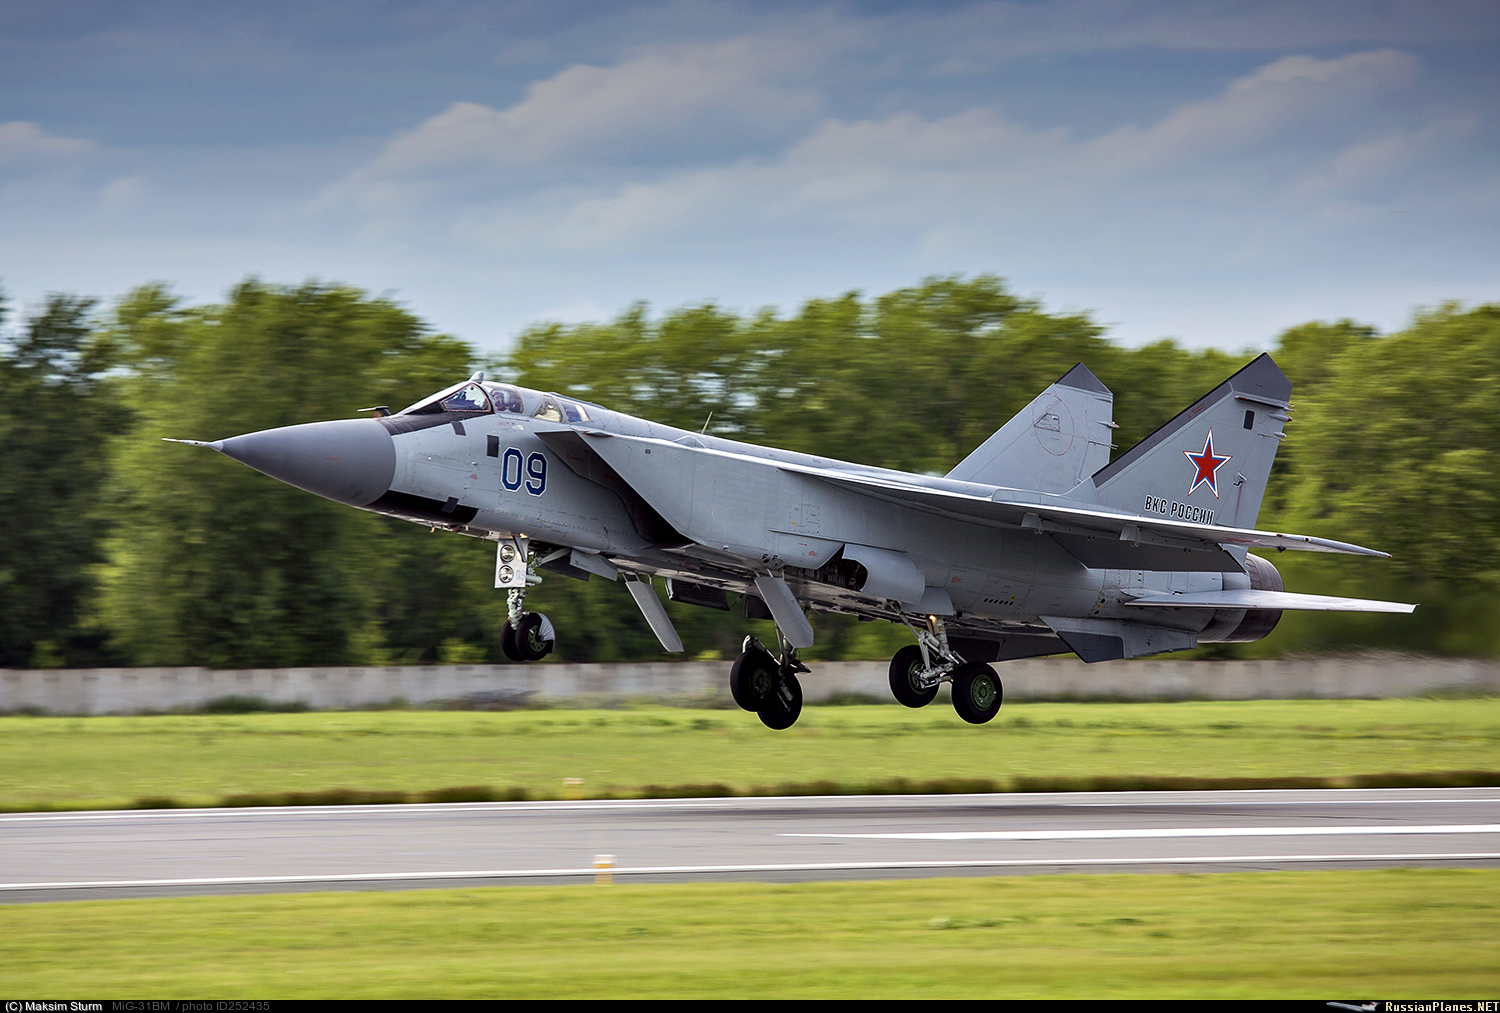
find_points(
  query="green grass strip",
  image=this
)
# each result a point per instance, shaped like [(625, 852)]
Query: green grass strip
[(1317, 935), (372, 756)]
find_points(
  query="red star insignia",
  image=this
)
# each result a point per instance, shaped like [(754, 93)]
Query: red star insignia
[(1207, 465)]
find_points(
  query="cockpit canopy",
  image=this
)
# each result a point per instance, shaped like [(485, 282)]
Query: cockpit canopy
[(483, 398)]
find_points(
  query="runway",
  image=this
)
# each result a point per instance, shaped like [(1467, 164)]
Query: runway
[(72, 856)]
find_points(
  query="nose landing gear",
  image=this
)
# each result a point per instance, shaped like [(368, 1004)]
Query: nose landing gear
[(526, 636), (530, 639)]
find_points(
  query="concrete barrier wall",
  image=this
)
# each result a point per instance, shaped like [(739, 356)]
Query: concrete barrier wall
[(130, 690)]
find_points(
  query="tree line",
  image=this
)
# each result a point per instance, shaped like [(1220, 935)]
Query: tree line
[(118, 549)]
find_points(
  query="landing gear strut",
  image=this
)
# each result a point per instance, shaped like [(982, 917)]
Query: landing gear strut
[(526, 636), (917, 670), (767, 685)]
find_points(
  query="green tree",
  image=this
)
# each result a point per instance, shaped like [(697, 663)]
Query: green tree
[(211, 563), (1396, 449), (55, 411)]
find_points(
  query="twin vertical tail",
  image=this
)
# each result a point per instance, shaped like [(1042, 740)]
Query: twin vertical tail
[(1209, 464)]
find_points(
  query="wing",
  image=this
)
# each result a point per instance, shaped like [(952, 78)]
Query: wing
[(1097, 537)]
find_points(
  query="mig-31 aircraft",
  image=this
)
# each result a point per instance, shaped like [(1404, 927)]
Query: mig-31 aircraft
[(1036, 543)]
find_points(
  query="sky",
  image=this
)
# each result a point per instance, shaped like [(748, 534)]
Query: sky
[(1208, 171)]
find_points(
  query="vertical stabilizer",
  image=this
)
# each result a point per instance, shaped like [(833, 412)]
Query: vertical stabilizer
[(1052, 444), (1210, 463)]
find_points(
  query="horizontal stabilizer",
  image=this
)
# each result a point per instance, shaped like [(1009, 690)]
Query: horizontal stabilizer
[(1283, 600)]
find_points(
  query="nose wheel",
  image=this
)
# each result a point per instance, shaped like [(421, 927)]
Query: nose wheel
[(767, 686), (530, 639), (526, 636)]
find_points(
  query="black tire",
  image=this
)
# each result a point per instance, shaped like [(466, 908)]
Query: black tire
[(508, 642), (904, 668), (977, 693), (752, 679), (781, 713), (529, 640)]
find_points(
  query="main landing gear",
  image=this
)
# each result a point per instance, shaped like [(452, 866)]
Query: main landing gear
[(917, 670), (526, 636), (977, 694), (767, 685)]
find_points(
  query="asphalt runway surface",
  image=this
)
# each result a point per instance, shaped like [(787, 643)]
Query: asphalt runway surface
[(136, 853)]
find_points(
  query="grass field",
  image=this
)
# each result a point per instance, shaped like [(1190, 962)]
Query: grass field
[(200, 759), (1322, 935)]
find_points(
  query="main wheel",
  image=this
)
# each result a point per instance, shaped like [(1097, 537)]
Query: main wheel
[(752, 679), (508, 642), (905, 667), (976, 693), (531, 638), (783, 706)]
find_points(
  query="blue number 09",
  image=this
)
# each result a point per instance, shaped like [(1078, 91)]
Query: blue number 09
[(536, 474)]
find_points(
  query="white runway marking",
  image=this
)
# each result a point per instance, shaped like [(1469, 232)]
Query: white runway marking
[(653, 870), (1159, 832)]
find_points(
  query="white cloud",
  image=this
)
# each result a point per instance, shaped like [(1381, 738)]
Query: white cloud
[(585, 114), (1290, 91), (975, 137), (971, 39), (1369, 161), (971, 172), (641, 209), (25, 144), (122, 192)]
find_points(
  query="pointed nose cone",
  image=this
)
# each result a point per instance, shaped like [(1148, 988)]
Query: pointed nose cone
[(351, 460)]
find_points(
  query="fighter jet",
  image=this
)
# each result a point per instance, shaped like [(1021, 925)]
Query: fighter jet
[(1035, 544)]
